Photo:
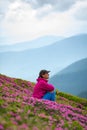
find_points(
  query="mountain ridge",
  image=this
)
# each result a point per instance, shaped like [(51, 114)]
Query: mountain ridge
[(53, 57), (72, 79), (33, 44), (76, 37)]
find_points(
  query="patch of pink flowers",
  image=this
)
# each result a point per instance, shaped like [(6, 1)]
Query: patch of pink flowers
[(1, 127), (23, 94)]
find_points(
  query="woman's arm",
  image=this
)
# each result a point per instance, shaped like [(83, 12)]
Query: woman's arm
[(47, 86)]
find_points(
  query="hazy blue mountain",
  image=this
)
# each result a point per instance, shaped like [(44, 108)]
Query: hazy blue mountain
[(39, 42), (72, 79), (27, 64)]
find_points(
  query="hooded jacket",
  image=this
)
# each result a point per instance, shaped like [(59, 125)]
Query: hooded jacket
[(41, 88)]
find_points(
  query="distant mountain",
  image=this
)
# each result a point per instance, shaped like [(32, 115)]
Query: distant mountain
[(72, 79), (27, 64), (39, 42)]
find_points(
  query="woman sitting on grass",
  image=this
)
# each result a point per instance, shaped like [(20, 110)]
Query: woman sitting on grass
[(42, 89)]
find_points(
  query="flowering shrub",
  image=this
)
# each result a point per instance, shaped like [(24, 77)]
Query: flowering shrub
[(20, 111)]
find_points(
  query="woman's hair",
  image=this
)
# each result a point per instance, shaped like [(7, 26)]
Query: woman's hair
[(42, 72), (40, 76)]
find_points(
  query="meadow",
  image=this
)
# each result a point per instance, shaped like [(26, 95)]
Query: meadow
[(20, 111)]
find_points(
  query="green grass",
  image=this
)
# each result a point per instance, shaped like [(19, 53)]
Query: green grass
[(22, 115), (76, 99)]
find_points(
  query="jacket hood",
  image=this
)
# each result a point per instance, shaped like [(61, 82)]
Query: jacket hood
[(42, 79)]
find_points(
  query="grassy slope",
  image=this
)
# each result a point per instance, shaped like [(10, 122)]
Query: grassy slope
[(20, 111)]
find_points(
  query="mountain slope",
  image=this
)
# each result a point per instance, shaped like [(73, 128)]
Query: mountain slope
[(53, 57), (19, 111), (72, 79), (37, 43)]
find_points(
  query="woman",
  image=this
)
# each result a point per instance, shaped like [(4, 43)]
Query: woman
[(42, 89)]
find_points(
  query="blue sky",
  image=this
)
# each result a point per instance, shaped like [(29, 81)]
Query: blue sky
[(25, 20)]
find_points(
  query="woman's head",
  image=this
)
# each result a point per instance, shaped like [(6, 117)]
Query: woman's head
[(44, 74)]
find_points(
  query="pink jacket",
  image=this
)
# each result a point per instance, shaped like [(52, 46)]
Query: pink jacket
[(41, 88)]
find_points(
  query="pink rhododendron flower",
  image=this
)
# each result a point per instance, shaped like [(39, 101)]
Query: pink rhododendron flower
[(1, 127), (0, 84), (18, 118), (35, 128)]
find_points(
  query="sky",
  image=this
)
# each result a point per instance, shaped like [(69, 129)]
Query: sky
[(25, 20)]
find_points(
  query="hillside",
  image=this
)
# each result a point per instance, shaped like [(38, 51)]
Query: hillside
[(20, 111), (53, 57), (72, 79)]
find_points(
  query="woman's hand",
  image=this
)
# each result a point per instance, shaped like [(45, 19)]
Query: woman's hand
[(51, 91)]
